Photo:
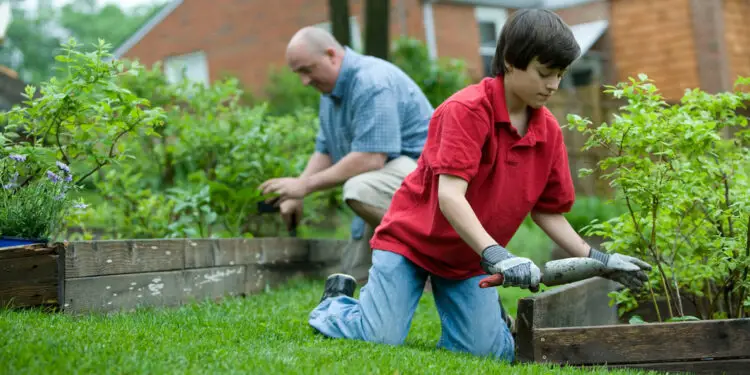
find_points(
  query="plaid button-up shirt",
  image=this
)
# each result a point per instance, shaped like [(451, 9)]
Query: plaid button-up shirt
[(374, 107)]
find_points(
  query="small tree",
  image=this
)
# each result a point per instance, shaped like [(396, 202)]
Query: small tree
[(687, 190)]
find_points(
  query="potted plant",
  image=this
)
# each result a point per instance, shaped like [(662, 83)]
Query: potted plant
[(33, 206), (682, 171)]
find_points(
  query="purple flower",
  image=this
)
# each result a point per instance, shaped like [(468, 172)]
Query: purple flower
[(53, 177), (17, 157), (81, 205), (13, 182), (63, 167), (68, 178)]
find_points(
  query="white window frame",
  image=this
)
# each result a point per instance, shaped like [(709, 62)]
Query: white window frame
[(354, 32), (193, 65), (498, 16)]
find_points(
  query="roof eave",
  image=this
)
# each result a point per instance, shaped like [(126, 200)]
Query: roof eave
[(145, 29)]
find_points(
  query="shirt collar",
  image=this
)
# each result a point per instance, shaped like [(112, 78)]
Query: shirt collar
[(348, 67), (537, 129)]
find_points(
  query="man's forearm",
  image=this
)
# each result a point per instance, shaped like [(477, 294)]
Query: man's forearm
[(349, 166), (557, 227), (318, 162)]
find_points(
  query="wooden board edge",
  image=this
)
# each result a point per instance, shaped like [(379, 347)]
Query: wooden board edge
[(599, 344)]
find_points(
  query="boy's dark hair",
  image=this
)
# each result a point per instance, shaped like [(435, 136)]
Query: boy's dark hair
[(531, 33)]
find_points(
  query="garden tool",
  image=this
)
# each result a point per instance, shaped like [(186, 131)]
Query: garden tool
[(271, 207), (558, 272)]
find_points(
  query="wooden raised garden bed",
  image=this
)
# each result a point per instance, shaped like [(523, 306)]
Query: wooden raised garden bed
[(574, 325), (103, 276)]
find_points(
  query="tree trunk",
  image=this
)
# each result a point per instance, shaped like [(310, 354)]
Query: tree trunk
[(377, 27), (339, 14)]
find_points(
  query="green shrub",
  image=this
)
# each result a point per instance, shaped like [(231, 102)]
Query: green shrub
[(438, 79), (71, 128), (687, 193), (199, 176)]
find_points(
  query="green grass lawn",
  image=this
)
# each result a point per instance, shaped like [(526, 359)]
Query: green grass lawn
[(261, 334)]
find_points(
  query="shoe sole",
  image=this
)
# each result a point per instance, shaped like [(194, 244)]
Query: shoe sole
[(350, 277)]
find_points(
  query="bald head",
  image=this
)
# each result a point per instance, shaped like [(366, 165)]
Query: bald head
[(316, 56), (315, 40)]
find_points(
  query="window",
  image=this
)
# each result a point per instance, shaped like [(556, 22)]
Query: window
[(192, 66), (354, 32), (583, 72), (490, 22)]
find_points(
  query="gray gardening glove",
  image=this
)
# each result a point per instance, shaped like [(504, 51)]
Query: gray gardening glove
[(626, 270), (516, 271)]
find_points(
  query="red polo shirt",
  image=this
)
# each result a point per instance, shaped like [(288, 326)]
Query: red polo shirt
[(470, 136)]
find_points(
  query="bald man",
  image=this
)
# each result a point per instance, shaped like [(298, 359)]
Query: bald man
[(373, 125)]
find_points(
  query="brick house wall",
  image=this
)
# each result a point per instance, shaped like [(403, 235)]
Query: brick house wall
[(640, 43), (248, 38), (456, 35), (737, 33)]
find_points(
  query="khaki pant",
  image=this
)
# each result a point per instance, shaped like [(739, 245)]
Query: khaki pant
[(375, 188)]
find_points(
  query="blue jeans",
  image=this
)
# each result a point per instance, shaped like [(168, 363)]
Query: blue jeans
[(470, 316)]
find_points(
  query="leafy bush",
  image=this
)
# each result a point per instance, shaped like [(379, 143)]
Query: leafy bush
[(589, 210), (77, 123), (438, 79), (687, 192), (198, 176)]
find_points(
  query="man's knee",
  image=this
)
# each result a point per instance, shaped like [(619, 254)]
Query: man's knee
[(362, 189)]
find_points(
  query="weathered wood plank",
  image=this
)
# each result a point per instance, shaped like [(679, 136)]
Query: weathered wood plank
[(326, 250), (200, 253), (583, 303), (283, 250), (655, 342), (111, 257), (28, 268), (708, 367), (30, 275), (161, 289), (29, 250), (28, 293)]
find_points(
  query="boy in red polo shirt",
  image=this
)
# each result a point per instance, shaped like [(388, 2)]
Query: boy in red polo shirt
[(494, 154)]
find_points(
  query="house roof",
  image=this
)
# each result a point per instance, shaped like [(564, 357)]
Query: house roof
[(146, 28), (548, 4), (588, 33), (11, 89), (518, 4)]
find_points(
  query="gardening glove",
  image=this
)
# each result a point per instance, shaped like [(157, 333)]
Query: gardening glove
[(626, 270), (515, 271)]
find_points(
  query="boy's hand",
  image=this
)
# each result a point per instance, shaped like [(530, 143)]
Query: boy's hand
[(626, 270), (516, 271)]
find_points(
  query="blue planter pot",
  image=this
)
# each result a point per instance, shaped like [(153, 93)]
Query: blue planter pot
[(16, 241)]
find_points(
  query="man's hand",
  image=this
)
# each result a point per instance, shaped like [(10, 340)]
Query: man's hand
[(287, 188), (626, 270), (516, 271), (291, 211)]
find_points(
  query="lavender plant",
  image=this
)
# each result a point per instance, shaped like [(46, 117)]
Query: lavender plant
[(35, 209)]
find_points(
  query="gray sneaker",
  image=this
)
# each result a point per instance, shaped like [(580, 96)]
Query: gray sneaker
[(339, 284)]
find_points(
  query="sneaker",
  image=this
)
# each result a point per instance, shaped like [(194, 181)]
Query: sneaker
[(339, 284)]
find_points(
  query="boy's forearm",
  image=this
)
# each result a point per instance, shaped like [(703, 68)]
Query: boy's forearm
[(557, 227), (460, 215)]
